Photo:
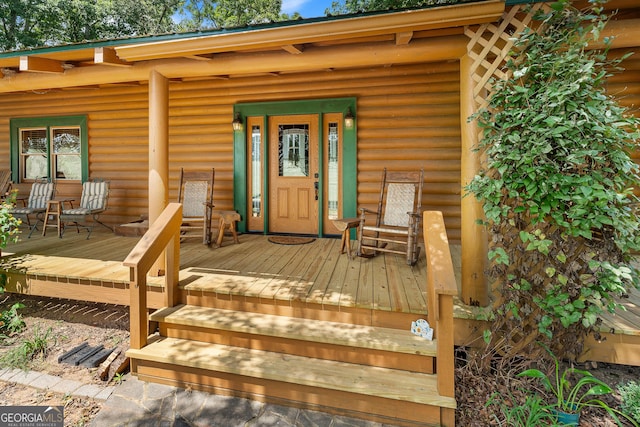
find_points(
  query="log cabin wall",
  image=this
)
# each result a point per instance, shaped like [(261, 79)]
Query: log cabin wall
[(625, 87), (408, 118), (118, 139)]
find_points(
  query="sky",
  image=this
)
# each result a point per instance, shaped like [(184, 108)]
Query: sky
[(306, 8)]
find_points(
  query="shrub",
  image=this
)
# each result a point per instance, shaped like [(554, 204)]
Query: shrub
[(9, 225), (630, 394), (11, 321)]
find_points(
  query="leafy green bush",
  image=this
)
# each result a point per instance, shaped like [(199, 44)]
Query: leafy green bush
[(11, 321), (630, 394), (9, 225), (557, 187)]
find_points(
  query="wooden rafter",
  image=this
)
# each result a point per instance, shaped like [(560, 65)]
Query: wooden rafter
[(40, 65), (108, 56), (404, 37), (200, 57), (295, 49)]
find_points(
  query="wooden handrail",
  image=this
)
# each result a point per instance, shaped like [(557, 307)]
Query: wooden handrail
[(163, 235), (441, 288)]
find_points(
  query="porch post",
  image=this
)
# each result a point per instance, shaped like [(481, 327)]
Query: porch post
[(473, 236), (158, 152)]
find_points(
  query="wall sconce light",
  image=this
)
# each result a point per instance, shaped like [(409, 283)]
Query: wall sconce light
[(349, 119), (237, 122)]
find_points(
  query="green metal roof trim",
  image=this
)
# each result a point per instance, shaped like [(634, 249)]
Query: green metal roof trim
[(177, 36), (515, 2)]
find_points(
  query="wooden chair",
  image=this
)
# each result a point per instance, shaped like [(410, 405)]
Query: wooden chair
[(36, 204), (93, 201), (196, 195), (397, 220), (5, 183)]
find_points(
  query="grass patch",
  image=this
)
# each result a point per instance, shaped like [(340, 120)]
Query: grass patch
[(33, 348)]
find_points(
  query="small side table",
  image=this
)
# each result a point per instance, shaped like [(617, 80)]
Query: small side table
[(345, 225), (54, 209), (228, 219)]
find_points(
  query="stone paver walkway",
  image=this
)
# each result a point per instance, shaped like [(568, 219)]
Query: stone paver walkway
[(134, 403)]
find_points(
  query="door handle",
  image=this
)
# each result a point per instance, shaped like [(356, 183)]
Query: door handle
[(316, 185)]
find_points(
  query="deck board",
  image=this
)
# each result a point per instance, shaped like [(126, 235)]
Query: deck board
[(315, 274)]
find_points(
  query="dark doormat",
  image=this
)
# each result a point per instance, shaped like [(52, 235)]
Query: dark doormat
[(291, 240)]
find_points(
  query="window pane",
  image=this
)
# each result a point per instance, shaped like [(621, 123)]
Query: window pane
[(33, 150), (256, 172), (66, 141), (332, 171), (35, 167), (33, 141), (293, 146), (66, 153), (68, 167)]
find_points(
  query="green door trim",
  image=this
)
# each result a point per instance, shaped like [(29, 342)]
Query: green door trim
[(283, 108)]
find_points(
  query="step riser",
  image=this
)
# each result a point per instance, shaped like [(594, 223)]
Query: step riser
[(371, 357), (401, 413), (351, 315)]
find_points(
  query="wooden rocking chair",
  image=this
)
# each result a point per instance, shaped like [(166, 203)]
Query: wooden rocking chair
[(5, 184), (196, 195), (397, 219)]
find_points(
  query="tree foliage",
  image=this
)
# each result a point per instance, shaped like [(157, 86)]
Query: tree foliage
[(38, 23), (228, 13), (355, 6), (557, 189)]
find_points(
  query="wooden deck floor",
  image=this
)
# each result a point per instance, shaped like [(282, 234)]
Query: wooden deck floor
[(313, 273)]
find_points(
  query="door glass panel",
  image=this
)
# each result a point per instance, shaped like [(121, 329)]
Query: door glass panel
[(332, 171), (256, 171), (293, 150)]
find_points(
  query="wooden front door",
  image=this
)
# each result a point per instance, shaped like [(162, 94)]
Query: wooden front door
[(293, 174)]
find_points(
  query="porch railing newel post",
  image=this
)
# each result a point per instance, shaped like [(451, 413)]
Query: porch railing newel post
[(138, 308), (172, 279)]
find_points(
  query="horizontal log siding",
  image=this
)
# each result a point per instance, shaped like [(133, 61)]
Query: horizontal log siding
[(415, 124), (625, 87), (408, 118)]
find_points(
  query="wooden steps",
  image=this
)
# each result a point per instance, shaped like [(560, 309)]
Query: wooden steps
[(383, 347), (380, 374)]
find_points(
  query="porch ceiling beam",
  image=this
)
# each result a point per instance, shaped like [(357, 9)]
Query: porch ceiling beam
[(40, 65), (420, 50), (356, 27), (404, 37), (294, 49), (108, 56)]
